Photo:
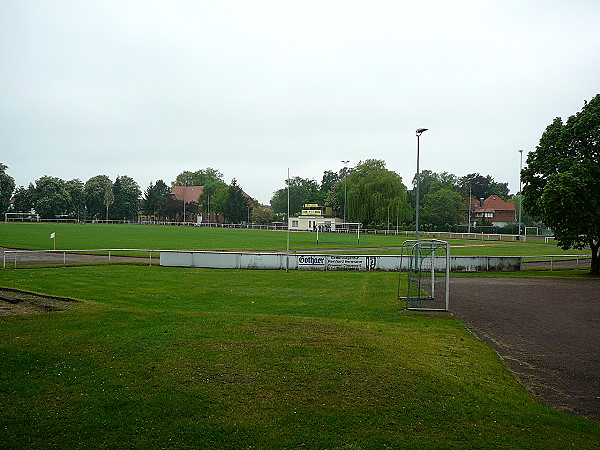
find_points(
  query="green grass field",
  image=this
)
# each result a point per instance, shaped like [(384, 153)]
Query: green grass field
[(159, 357), (99, 236)]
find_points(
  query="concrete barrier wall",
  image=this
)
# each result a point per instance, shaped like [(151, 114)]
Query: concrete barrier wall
[(281, 261)]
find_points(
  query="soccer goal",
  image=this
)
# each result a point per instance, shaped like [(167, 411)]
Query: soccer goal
[(21, 217), (424, 275), (344, 227)]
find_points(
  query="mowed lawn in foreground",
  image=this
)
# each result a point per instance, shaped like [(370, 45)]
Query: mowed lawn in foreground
[(159, 357), (103, 236)]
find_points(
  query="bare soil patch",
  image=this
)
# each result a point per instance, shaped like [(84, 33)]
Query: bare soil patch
[(546, 330), (14, 301)]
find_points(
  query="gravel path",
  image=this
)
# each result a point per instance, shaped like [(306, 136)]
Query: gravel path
[(546, 330)]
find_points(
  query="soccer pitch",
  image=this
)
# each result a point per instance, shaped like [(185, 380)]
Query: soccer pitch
[(100, 236), (172, 357)]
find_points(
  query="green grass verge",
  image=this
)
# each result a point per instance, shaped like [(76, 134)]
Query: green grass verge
[(191, 358)]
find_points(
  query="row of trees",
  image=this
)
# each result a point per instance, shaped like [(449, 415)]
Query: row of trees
[(374, 196), (100, 198), (97, 198)]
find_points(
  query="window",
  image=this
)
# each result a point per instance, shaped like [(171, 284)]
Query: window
[(294, 224)]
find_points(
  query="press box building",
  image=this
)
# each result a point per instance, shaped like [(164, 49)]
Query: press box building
[(313, 216)]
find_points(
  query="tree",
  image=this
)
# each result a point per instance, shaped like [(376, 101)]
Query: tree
[(210, 188), (262, 214), (302, 191), (94, 195), (7, 186), (483, 187), (126, 198), (156, 197), (77, 206), (329, 180), (562, 180), (443, 207), (198, 178), (52, 197), (372, 191), (430, 182), (235, 209), (24, 198)]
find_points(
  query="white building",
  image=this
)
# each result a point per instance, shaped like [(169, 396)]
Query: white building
[(314, 216)]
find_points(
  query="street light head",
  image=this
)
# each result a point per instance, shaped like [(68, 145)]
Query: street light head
[(420, 130)]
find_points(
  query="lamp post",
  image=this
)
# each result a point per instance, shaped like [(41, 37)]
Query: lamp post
[(470, 207), (345, 197), (184, 192), (287, 254), (419, 132), (520, 193)]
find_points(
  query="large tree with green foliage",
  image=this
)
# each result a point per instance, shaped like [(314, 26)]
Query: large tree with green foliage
[(198, 178), (25, 198), (562, 180), (302, 191), (77, 206), (52, 197), (483, 187), (155, 197), (7, 186), (430, 182), (94, 195), (373, 193), (443, 208), (235, 209), (126, 198)]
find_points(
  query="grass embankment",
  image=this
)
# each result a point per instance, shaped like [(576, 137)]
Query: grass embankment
[(165, 357)]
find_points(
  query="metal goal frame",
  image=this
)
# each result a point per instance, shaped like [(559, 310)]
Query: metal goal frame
[(419, 262)]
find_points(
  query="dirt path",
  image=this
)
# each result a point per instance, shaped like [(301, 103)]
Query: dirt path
[(546, 330)]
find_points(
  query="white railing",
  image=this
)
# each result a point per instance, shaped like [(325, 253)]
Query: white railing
[(21, 258)]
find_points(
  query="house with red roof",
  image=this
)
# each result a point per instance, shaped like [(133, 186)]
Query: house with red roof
[(495, 210), (191, 195)]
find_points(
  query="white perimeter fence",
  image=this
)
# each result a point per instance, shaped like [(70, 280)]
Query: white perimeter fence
[(13, 259)]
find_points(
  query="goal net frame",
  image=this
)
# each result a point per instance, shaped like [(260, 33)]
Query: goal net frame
[(337, 226), (419, 262)]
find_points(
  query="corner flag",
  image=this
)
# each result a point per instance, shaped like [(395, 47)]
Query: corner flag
[(53, 236)]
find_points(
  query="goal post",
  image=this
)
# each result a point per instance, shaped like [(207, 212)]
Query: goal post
[(337, 227), (424, 275)]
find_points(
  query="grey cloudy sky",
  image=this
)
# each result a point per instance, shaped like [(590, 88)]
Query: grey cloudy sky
[(151, 88)]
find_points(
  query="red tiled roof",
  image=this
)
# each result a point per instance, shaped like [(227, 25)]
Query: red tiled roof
[(495, 203), (187, 193)]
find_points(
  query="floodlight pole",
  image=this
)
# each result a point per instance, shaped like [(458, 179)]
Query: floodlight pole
[(419, 132), (470, 207), (345, 196), (520, 193), (184, 192), (287, 258)]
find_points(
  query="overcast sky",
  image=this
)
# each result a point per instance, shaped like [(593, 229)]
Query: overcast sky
[(251, 88)]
